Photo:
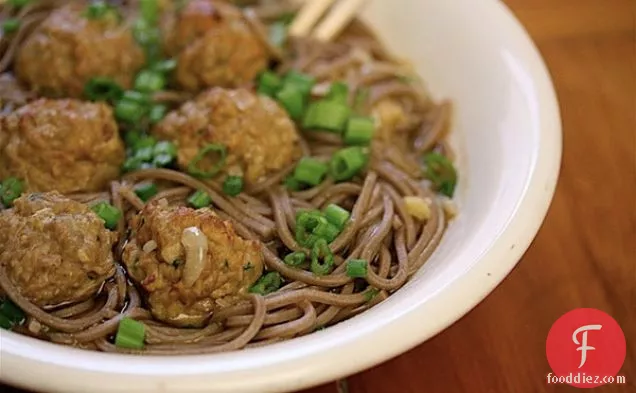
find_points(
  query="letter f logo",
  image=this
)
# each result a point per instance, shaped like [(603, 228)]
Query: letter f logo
[(583, 344)]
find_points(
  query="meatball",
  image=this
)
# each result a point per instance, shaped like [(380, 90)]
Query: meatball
[(189, 262), (64, 145), (214, 45), (68, 49), (259, 136), (55, 250)]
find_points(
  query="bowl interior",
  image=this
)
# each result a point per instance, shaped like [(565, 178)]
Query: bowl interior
[(507, 137)]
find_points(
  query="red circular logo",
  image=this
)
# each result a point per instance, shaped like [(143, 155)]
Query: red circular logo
[(585, 348)]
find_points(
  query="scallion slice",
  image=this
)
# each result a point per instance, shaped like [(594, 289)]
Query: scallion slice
[(269, 83), (149, 81), (347, 163), (306, 223), (441, 171), (302, 82), (295, 259), (109, 213), (145, 191), (10, 190), (322, 259), (194, 166), (199, 200), (11, 25), (337, 215), (339, 92), (326, 115), (310, 171), (357, 268), (130, 334), (267, 284), (359, 131), (103, 89), (233, 185), (293, 100)]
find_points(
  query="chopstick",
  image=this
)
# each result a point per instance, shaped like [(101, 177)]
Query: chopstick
[(339, 17)]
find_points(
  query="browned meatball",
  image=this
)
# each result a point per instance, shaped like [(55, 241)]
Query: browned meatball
[(54, 250), (68, 49), (64, 145), (189, 262), (214, 45), (259, 136)]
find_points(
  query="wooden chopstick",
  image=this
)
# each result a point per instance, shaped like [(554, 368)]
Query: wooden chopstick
[(338, 18), (309, 14)]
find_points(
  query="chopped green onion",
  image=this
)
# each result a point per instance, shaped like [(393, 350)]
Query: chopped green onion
[(144, 154), (233, 185), (293, 184), (144, 142), (132, 137), (145, 191), (145, 34), (148, 81), (326, 115), (18, 3), (137, 96), (347, 163), (149, 10), (269, 83), (293, 100), (13, 314), (306, 223), (157, 113), (267, 284), (109, 213), (295, 259), (165, 147), (165, 66), (193, 168), (301, 82), (441, 172), (10, 190), (357, 268), (11, 25), (337, 215), (339, 92), (310, 171), (129, 111), (162, 160), (100, 10), (132, 164), (359, 131), (103, 89), (322, 260), (5, 323), (327, 231), (130, 334), (278, 34), (371, 293), (199, 200)]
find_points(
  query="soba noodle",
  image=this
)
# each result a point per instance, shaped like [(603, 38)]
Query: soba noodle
[(381, 230)]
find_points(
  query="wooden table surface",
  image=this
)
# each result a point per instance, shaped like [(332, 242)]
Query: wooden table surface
[(585, 253)]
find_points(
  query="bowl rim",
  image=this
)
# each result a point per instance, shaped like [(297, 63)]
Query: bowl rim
[(22, 357)]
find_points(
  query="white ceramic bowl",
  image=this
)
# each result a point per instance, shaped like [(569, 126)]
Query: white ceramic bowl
[(508, 136)]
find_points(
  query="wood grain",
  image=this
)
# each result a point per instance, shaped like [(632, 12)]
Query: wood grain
[(585, 253)]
